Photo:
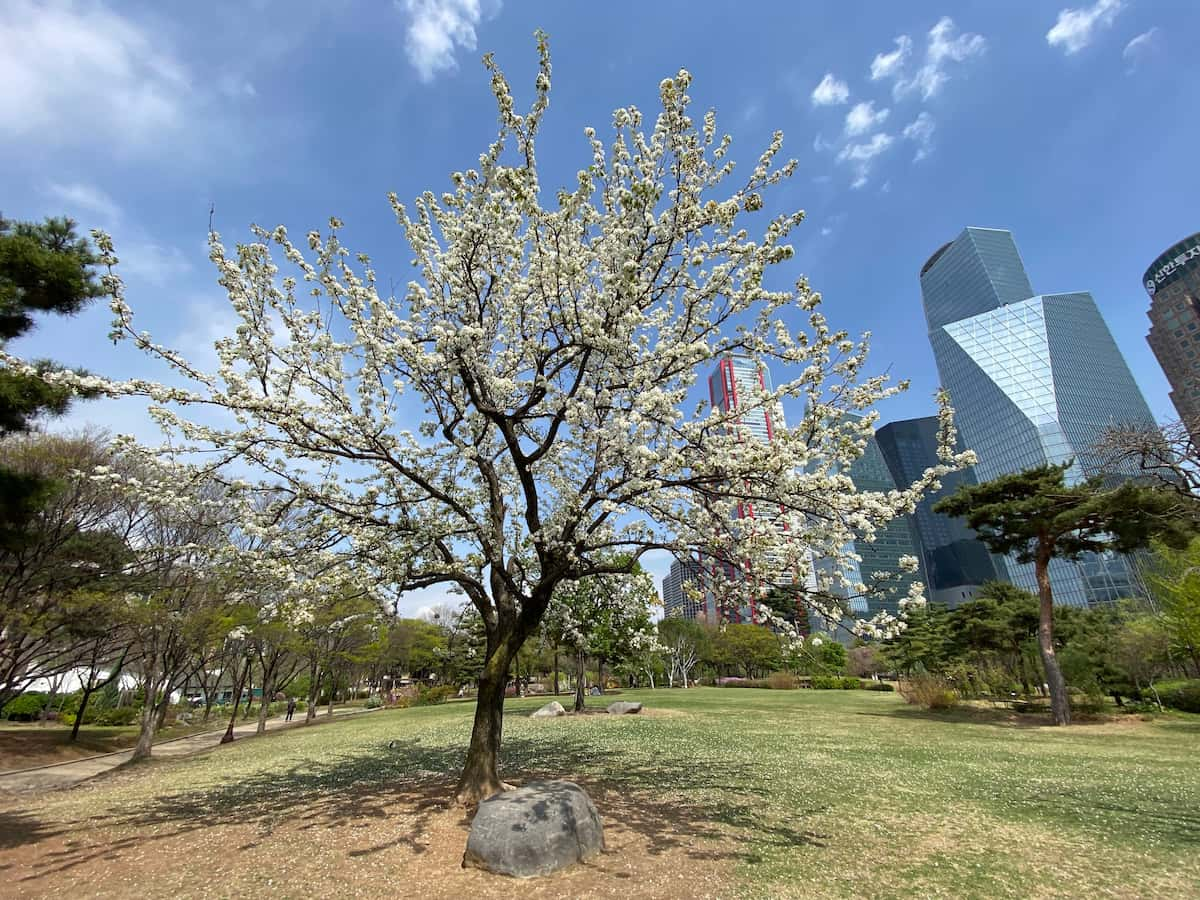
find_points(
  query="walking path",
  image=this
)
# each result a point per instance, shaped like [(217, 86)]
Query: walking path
[(57, 776)]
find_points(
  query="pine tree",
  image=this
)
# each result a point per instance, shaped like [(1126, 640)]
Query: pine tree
[(1035, 516), (44, 267)]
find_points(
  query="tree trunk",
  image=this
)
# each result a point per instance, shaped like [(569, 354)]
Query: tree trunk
[(237, 702), (556, 670), (480, 777), (580, 661), (249, 695), (208, 704), (1059, 703), (600, 672), (314, 693), (149, 721), (333, 683), (264, 708), (83, 702)]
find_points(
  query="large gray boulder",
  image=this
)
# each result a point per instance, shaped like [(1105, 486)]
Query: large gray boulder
[(549, 711), (623, 707), (534, 830)]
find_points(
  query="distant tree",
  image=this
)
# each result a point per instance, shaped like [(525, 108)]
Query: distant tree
[(1143, 649), (751, 649), (684, 642), (1173, 577), (606, 616), (926, 644), (1037, 517), (1167, 455), (57, 562), (865, 661)]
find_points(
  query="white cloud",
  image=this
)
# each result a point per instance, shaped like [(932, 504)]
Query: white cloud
[(830, 92), (436, 29), (1139, 48), (888, 65), (826, 231), (944, 47), (863, 117), (235, 87), (862, 156), (1076, 28), (84, 198), (820, 145), (920, 131), (151, 262), (83, 74)]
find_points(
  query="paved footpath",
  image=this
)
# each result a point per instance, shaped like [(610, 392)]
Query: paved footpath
[(70, 773)]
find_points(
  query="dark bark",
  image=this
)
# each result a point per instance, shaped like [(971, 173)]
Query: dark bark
[(480, 777), (580, 662), (1060, 704), (237, 701), (556, 670)]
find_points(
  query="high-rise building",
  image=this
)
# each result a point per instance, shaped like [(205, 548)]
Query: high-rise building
[(1034, 379), (1173, 283), (880, 559), (737, 379), (676, 601), (955, 563)]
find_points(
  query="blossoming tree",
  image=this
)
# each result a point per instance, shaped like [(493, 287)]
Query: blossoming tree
[(548, 346)]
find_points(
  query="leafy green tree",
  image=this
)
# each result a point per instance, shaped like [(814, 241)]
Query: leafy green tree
[(1037, 517), (751, 649), (927, 642), (1173, 577)]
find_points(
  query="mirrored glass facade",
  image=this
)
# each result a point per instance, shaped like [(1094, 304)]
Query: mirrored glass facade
[(1033, 380), (955, 562)]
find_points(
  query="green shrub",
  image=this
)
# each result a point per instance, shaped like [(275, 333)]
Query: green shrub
[(122, 715), (373, 702), (885, 686), (929, 691), (1181, 695), (25, 708), (435, 695)]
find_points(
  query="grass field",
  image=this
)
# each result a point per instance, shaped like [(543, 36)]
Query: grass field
[(714, 792)]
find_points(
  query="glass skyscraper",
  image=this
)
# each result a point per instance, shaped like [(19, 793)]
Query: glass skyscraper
[(1034, 379), (880, 559), (955, 562)]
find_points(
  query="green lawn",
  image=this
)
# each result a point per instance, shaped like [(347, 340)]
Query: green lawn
[(779, 793)]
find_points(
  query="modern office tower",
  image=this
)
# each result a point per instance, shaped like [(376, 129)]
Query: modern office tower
[(676, 601), (736, 379), (1173, 283), (1034, 379), (954, 561), (881, 557)]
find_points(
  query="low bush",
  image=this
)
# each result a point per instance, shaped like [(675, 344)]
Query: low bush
[(122, 715), (929, 691), (885, 686), (435, 695), (373, 702), (835, 683), (783, 681), (1180, 695), (25, 708)]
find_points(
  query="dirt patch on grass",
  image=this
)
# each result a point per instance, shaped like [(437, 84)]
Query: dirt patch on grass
[(406, 843)]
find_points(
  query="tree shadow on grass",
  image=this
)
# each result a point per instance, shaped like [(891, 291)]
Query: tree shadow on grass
[(672, 804)]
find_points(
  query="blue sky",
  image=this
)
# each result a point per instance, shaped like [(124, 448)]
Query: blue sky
[(1072, 124)]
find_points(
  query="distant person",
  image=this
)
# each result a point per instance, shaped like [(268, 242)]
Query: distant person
[(291, 709)]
